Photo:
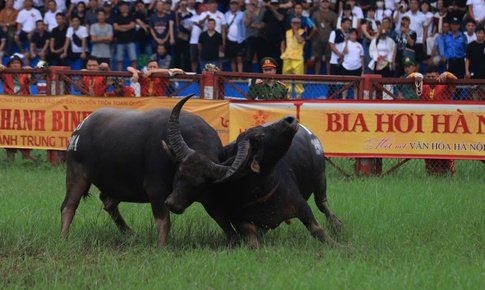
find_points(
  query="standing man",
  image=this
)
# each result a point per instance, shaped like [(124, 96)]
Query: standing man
[(274, 29), (210, 43), (26, 20), (161, 27), (419, 24), (236, 34), (253, 20), (101, 38), (77, 36), (474, 62), (405, 41), (268, 89), (58, 39), (325, 21), (50, 15), (455, 49), (292, 53), (124, 28), (337, 43)]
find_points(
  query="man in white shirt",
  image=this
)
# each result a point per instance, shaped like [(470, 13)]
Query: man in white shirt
[(476, 10), (194, 37), (419, 24), (215, 14), (50, 15), (77, 36), (26, 20)]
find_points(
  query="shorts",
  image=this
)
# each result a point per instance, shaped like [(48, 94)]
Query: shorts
[(129, 47), (355, 72), (419, 52), (194, 53), (234, 49), (321, 48)]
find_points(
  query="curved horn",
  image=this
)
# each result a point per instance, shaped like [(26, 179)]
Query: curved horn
[(227, 173), (175, 139)]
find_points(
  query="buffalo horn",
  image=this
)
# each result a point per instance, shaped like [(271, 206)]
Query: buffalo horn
[(175, 139)]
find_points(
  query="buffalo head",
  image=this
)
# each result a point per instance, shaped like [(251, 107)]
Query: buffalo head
[(256, 150)]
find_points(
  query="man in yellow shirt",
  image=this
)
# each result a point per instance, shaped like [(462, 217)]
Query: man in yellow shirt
[(292, 53)]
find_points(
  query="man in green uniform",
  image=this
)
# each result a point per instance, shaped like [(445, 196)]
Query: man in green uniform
[(268, 89)]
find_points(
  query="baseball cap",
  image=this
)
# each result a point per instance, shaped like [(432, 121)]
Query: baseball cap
[(16, 56), (107, 3), (295, 20), (234, 1), (455, 20), (274, 1), (268, 62), (407, 60)]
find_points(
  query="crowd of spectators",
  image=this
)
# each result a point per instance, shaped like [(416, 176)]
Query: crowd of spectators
[(187, 34)]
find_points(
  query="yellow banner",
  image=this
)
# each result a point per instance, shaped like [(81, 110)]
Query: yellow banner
[(377, 129), (47, 122)]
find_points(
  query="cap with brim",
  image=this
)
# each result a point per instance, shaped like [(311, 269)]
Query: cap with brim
[(408, 61), (324, 0), (13, 58), (296, 20), (107, 3), (455, 20), (234, 1), (274, 2), (268, 62)]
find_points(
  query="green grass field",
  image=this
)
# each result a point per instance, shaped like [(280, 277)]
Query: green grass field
[(408, 231)]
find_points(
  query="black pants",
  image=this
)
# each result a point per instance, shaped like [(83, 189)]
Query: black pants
[(182, 55), (456, 66), (254, 46)]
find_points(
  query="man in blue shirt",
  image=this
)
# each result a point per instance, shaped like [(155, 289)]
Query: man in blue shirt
[(455, 49)]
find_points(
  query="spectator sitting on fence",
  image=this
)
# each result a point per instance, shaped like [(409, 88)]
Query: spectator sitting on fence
[(119, 88), (16, 84), (149, 86), (434, 92), (404, 91), (268, 89), (94, 85)]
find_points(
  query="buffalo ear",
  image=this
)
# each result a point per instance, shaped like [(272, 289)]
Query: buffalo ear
[(255, 166), (169, 151)]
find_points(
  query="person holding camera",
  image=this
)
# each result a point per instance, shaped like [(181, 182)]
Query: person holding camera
[(405, 40)]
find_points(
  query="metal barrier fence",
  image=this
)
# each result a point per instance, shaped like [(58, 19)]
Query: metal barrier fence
[(221, 85)]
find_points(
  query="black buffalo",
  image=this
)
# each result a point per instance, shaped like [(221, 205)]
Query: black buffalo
[(275, 169), (120, 152)]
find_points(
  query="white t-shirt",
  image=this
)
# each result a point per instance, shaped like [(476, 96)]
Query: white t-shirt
[(28, 19), (429, 15), (232, 32), (17, 4), (338, 46), (196, 31), (470, 38), (356, 12), (352, 59), (50, 20), (380, 14), (218, 16), (81, 32), (418, 22), (391, 4), (478, 8)]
